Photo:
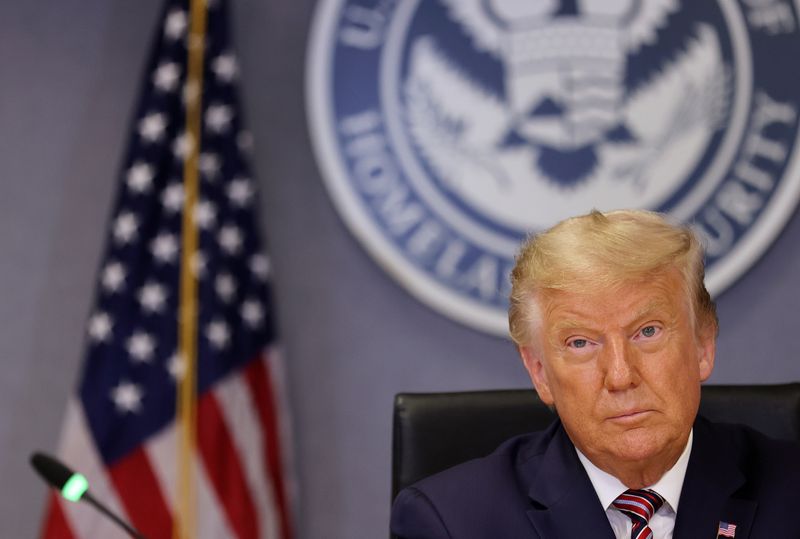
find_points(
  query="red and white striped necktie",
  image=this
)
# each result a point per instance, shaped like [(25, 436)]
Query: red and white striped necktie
[(639, 506)]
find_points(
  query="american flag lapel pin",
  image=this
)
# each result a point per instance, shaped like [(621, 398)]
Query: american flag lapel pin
[(726, 529)]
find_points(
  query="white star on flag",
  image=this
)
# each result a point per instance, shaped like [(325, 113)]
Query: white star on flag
[(176, 366), (166, 77), (175, 25), (218, 118), (259, 265), (252, 313), (172, 197), (225, 67), (182, 144), (152, 297), (127, 397), (225, 287), (141, 347), (140, 177), (164, 248), (205, 214), (125, 227), (218, 334), (209, 166), (100, 325), (230, 239), (152, 126), (198, 264), (113, 277), (240, 191)]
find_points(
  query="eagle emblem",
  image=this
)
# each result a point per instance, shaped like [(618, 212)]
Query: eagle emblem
[(570, 118), (448, 130)]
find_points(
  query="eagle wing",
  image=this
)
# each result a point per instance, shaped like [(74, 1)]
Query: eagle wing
[(454, 121), (486, 35), (649, 18), (694, 88)]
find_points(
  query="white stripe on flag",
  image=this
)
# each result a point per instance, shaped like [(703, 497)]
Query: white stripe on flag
[(77, 450), (236, 405), (162, 450), (211, 520), (273, 359)]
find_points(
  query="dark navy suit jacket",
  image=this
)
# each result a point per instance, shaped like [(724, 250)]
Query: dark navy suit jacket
[(534, 487)]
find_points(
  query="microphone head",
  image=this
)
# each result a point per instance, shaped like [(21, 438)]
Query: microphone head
[(56, 474)]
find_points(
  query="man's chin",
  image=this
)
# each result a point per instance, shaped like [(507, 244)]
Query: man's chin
[(639, 443), (638, 454)]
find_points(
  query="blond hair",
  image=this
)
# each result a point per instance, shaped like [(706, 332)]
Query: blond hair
[(604, 250)]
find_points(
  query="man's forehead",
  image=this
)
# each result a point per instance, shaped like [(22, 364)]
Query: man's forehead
[(569, 316), (633, 299)]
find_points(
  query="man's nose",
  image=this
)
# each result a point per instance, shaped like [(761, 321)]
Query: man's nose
[(618, 363)]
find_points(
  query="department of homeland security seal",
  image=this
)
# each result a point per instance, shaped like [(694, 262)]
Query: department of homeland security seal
[(448, 130)]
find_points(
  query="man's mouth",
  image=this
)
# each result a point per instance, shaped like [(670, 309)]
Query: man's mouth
[(630, 416)]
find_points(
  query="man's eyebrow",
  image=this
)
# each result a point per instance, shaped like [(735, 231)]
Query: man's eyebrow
[(569, 324), (654, 306)]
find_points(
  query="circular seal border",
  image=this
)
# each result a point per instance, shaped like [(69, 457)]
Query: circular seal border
[(751, 245)]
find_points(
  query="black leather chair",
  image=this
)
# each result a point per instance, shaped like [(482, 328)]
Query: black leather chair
[(434, 431)]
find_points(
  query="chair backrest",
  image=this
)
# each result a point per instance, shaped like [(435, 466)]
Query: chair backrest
[(434, 431)]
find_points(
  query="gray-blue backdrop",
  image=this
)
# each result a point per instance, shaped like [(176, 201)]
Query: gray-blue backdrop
[(69, 72)]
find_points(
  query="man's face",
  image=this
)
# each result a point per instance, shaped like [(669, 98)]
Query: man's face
[(623, 368)]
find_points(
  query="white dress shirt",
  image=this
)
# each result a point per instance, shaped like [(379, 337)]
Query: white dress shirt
[(669, 487)]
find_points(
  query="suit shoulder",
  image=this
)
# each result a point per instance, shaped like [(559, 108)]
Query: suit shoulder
[(764, 460), (469, 499), (415, 516)]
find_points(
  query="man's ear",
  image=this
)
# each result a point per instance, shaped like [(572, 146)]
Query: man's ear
[(707, 350), (533, 364)]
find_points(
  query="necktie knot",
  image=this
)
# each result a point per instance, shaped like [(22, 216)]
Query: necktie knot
[(639, 506)]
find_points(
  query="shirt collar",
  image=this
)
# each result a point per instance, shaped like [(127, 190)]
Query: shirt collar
[(669, 486)]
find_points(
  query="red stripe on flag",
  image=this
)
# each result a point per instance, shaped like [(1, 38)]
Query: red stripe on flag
[(140, 493), (224, 468), (258, 378), (55, 521)]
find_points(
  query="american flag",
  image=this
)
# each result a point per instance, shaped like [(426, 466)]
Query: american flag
[(120, 427), (726, 530)]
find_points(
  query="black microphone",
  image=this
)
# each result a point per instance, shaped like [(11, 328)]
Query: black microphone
[(74, 487)]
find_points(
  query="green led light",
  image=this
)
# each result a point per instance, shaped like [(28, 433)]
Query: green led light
[(75, 487)]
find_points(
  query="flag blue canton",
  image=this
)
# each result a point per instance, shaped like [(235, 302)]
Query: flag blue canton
[(128, 387)]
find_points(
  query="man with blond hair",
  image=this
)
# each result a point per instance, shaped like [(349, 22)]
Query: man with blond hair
[(617, 331)]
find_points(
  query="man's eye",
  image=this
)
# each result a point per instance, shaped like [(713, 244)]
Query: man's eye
[(649, 331), (578, 343)]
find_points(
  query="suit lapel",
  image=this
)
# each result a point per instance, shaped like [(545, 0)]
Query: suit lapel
[(708, 497), (565, 503)]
